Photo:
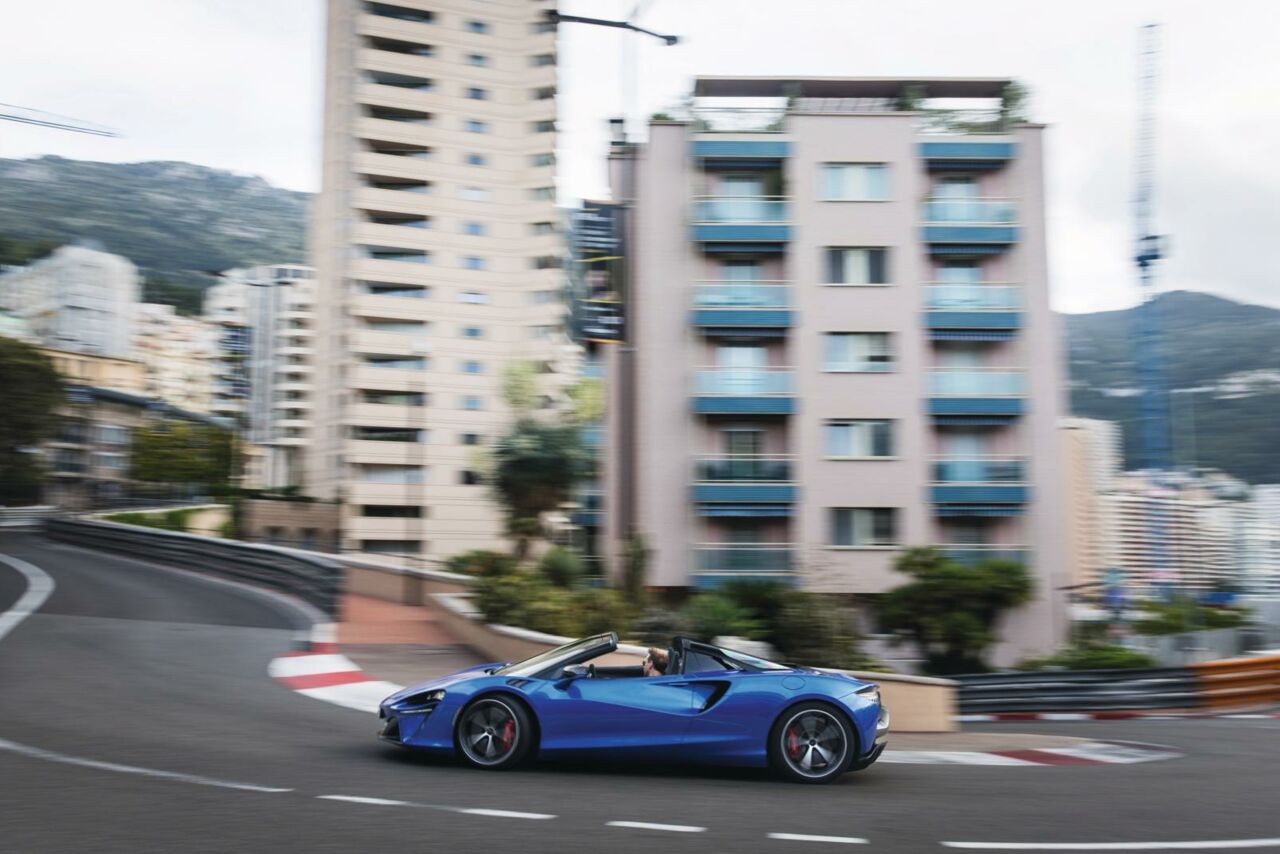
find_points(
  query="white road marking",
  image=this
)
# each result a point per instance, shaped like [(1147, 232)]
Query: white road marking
[(644, 825), (306, 665), (809, 837), (361, 696), (950, 757), (51, 756), (356, 799), (39, 586), (539, 816), (1117, 846)]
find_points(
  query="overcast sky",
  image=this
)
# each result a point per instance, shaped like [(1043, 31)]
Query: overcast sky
[(236, 84)]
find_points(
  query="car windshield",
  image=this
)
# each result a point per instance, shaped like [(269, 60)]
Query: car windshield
[(752, 661), (543, 660)]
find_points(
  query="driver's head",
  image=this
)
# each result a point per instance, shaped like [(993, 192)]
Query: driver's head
[(655, 662)]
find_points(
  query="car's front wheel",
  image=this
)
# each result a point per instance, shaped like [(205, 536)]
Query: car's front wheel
[(811, 743), (494, 732)]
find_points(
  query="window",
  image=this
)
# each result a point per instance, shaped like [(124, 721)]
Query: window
[(471, 403), (860, 438), (395, 253), (544, 297), (397, 114), (401, 219), (393, 398), (473, 297), (470, 438), (475, 229), (544, 158), (543, 194), (399, 46), (543, 59), (472, 332), (540, 332), (542, 126), (543, 93), (477, 59), (404, 185), (378, 473), (391, 547), (389, 434), (958, 272), (393, 289), (855, 182), (400, 81), (477, 27), (857, 352), (397, 363), (472, 367), (391, 511), (476, 126), (475, 93), (864, 526), (547, 262), (472, 262), (475, 160), (542, 27), (401, 13), (542, 227), (384, 324), (476, 194), (865, 265), (108, 434), (466, 477)]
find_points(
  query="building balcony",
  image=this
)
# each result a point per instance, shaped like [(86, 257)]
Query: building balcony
[(972, 312), (741, 223), (980, 486), (743, 391), (745, 479), (718, 562), (966, 154), (721, 307), (969, 226), (969, 553)]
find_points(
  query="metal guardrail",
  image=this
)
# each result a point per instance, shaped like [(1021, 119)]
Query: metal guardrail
[(25, 517), (315, 579), (1079, 691)]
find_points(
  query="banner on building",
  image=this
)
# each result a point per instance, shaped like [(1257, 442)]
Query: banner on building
[(599, 313)]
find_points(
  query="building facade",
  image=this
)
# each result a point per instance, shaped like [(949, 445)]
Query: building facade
[(76, 299), (179, 353), (438, 250), (842, 341), (263, 373), (1092, 462)]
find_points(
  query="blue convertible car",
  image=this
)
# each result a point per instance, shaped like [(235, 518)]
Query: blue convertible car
[(712, 705)]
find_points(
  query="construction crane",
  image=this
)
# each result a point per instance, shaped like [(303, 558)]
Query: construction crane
[(1154, 432), (40, 118)]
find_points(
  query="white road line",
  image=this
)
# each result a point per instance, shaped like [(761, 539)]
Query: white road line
[(1117, 846), (809, 837), (307, 665), (51, 756), (538, 816), (39, 586), (361, 696), (356, 799), (644, 825)]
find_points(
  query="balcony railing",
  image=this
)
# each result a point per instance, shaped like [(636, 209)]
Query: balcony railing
[(979, 469), (743, 468), (761, 294), (970, 211), (973, 297), (741, 209), (976, 382), (708, 119), (744, 557), (969, 553), (742, 381)]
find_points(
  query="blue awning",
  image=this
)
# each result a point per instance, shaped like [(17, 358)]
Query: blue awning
[(987, 510), (973, 420), (972, 334), (755, 511), (965, 249)]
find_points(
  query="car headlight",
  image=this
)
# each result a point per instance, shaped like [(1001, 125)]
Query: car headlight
[(870, 693), (420, 703)]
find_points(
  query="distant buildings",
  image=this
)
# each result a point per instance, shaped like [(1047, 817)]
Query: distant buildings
[(1092, 459), (261, 375), (75, 299), (178, 353)]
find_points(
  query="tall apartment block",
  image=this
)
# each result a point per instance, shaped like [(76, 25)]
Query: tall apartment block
[(1092, 461), (842, 340), (438, 254), (264, 317)]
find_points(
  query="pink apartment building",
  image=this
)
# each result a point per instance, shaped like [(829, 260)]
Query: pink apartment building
[(840, 340)]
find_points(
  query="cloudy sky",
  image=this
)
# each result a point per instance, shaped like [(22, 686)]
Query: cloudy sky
[(237, 84)]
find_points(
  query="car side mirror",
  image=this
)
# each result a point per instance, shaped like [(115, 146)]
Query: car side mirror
[(575, 671)]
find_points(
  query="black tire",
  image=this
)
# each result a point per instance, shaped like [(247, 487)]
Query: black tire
[(811, 742), (494, 732)]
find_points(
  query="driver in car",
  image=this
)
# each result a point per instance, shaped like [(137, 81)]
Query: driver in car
[(655, 663)]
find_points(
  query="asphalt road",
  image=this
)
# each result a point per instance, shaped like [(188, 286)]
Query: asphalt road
[(131, 665)]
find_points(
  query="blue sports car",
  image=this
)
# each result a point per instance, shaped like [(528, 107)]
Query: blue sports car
[(711, 705)]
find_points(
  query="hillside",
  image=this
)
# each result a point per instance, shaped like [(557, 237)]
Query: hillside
[(1228, 352), (176, 221)]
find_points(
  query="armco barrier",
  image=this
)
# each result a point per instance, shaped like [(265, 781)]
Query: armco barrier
[(1079, 691), (25, 517), (311, 577), (1237, 682)]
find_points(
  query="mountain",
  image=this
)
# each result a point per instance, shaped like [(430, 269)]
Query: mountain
[(1223, 356), (176, 221)]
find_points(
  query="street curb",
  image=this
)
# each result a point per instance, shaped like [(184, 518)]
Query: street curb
[(1103, 716)]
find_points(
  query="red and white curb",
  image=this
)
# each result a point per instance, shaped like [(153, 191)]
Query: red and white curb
[(318, 671), (1102, 716), (1089, 753)]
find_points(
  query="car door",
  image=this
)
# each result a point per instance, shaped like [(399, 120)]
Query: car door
[(635, 717)]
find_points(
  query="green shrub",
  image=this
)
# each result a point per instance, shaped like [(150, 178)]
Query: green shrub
[(812, 629), (761, 600), (602, 610), (1184, 614), (657, 626), (561, 567), (501, 598), (481, 562), (712, 615), (551, 610), (1090, 658)]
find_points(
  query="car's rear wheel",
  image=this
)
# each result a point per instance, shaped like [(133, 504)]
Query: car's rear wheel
[(494, 732), (811, 743)]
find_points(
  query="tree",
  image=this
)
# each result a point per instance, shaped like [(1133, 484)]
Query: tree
[(33, 392), (534, 469), (1013, 104), (635, 568), (950, 610), (176, 452)]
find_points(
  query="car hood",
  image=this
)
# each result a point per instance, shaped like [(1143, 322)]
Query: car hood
[(443, 681)]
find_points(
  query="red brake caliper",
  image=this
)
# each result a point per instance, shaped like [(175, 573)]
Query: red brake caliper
[(508, 734), (793, 743)]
